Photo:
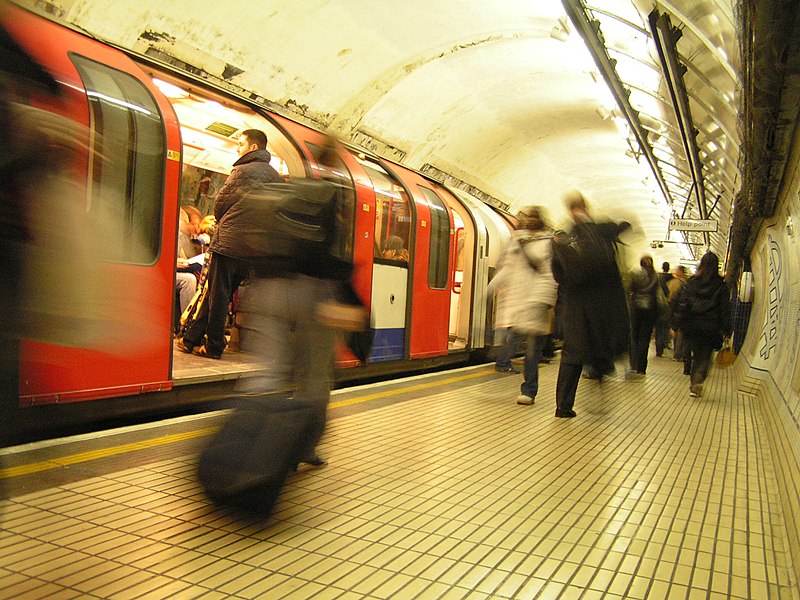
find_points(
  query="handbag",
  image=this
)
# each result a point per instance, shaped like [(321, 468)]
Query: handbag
[(664, 310), (360, 343), (725, 356), (346, 313), (340, 316)]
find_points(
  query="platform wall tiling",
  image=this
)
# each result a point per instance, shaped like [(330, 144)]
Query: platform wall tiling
[(770, 369)]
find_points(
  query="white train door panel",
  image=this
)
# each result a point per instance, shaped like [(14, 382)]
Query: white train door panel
[(389, 296)]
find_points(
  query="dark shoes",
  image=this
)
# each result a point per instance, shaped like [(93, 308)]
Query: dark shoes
[(315, 461), (204, 352), (507, 370), (196, 350), (565, 414)]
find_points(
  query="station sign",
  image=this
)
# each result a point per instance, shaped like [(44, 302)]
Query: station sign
[(693, 224)]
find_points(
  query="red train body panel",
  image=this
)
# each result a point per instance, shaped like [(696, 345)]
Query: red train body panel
[(141, 361)]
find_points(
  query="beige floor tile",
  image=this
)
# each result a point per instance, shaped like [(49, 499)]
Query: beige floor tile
[(458, 494)]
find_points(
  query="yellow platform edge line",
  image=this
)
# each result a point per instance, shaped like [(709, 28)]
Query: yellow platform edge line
[(83, 457)]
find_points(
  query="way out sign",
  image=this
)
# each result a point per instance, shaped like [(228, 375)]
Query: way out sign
[(693, 224)]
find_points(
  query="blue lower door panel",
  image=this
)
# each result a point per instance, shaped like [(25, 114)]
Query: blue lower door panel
[(388, 345)]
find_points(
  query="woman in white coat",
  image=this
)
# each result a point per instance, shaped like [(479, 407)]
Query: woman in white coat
[(530, 291)]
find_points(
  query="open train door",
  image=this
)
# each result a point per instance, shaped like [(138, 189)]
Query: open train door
[(469, 275), (492, 233)]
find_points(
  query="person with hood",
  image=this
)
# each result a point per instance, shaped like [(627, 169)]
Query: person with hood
[(643, 292), (703, 315), (527, 281), (228, 268)]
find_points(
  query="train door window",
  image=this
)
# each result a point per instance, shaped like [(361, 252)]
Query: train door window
[(392, 216), (126, 168), (345, 214), (439, 256)]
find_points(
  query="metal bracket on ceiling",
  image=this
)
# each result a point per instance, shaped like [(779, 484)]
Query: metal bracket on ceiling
[(665, 38), (589, 30)]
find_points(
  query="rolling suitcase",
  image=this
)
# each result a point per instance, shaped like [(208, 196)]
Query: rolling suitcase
[(246, 463)]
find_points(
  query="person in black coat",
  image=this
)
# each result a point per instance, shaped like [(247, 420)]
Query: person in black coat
[(593, 311), (702, 313), (644, 312), (662, 324)]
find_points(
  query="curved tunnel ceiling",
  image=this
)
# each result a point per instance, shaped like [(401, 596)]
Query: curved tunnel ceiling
[(509, 97)]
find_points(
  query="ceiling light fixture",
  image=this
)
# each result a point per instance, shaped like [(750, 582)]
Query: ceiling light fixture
[(557, 33), (603, 112)]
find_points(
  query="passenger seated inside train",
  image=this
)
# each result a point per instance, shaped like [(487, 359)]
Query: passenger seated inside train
[(207, 228), (195, 229), (186, 275), (393, 249)]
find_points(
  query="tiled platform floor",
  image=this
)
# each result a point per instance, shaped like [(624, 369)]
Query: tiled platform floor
[(648, 493)]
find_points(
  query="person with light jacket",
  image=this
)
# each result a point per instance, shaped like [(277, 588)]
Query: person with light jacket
[(527, 281)]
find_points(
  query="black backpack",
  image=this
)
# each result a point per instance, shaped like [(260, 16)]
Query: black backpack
[(289, 220), (583, 257)]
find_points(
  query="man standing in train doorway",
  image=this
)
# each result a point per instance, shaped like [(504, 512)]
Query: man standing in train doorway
[(228, 267)]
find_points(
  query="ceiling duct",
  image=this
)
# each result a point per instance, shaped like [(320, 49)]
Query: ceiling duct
[(665, 37), (769, 37), (589, 30)]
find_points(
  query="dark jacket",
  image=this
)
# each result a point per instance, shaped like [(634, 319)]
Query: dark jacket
[(663, 280), (643, 290), (593, 314), (702, 309), (249, 172)]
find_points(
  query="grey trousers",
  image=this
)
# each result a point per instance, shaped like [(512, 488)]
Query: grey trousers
[(295, 351)]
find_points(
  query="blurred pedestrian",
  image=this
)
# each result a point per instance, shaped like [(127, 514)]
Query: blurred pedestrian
[(506, 342), (36, 147), (662, 323), (675, 285), (644, 290), (594, 312), (702, 313), (530, 291), (285, 319)]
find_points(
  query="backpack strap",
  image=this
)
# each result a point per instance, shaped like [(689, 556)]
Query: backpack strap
[(534, 265)]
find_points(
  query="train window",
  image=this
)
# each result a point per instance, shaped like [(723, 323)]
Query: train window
[(439, 257), (347, 201), (392, 215), (126, 167)]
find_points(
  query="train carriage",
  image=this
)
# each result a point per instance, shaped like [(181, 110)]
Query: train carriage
[(159, 139)]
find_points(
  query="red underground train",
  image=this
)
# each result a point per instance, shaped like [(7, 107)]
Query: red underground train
[(158, 139)]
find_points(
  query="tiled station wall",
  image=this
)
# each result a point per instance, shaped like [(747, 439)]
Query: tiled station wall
[(771, 351)]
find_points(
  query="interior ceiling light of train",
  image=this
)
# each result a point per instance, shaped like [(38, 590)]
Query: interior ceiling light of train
[(633, 102)]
